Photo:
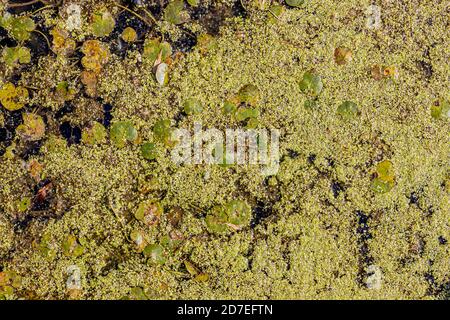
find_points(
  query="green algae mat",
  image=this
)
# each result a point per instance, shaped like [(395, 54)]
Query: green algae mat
[(117, 182)]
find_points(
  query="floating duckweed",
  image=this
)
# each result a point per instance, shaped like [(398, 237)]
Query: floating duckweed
[(172, 241), (24, 204), (348, 110), (294, 3), (19, 27), (234, 216), (342, 55), (33, 127), (14, 55), (12, 97), (311, 104), (384, 180), (71, 247), (122, 132), (163, 132), (148, 151), (156, 51), (192, 106), (102, 24), (311, 84), (96, 134), (441, 109), (149, 212), (155, 254), (62, 43), (129, 35), (174, 12), (249, 94)]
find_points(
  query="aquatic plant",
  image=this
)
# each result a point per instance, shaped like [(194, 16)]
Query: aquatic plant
[(162, 131), (175, 13), (441, 109), (12, 97), (156, 51), (122, 132), (71, 247), (294, 3), (12, 56), (233, 216), (249, 94), (348, 110), (192, 106), (102, 23), (19, 28), (384, 179), (148, 151), (62, 44), (311, 84), (155, 254), (149, 212), (129, 35), (95, 134), (33, 127), (342, 55)]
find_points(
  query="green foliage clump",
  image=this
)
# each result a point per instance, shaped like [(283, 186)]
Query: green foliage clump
[(441, 109), (15, 55), (348, 110), (175, 13), (96, 134), (102, 24), (163, 131), (12, 97), (311, 84), (148, 151), (192, 106)]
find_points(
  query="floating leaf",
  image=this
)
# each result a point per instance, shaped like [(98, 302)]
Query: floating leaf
[(14, 55), (71, 247), (275, 11), (148, 151), (229, 107), (96, 134), (12, 97), (441, 109), (33, 127), (19, 27), (192, 106), (294, 3), (64, 92), (155, 253), (311, 84), (342, 55), (193, 3), (24, 204), (174, 13), (155, 50), (249, 94), (246, 113), (96, 54), (149, 212), (129, 35), (348, 110), (62, 43), (384, 180), (122, 132), (102, 24), (163, 132), (233, 216)]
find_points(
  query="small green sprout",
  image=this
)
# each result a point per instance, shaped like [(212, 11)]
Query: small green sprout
[(19, 28), (233, 216), (149, 212), (33, 127), (122, 132), (294, 3), (249, 94), (96, 134), (384, 179), (163, 132), (71, 247), (102, 24), (174, 12), (311, 84), (155, 254), (441, 109), (12, 97), (15, 55), (148, 151), (129, 35), (348, 110), (192, 106)]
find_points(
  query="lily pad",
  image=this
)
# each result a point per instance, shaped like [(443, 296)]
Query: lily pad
[(12, 97), (311, 84), (122, 132)]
